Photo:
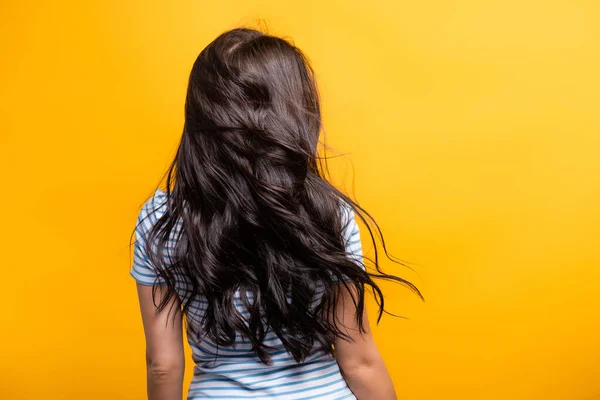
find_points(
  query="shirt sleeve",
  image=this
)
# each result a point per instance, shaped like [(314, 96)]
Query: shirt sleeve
[(352, 236), (142, 269)]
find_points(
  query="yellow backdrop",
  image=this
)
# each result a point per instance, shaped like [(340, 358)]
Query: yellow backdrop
[(471, 128)]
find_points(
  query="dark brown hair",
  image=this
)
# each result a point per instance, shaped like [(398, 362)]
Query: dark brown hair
[(257, 214)]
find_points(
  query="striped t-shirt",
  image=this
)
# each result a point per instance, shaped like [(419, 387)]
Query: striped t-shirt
[(236, 372)]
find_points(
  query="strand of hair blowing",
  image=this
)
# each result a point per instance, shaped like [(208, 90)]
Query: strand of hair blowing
[(257, 215)]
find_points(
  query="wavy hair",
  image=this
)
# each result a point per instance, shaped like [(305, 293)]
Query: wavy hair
[(257, 214)]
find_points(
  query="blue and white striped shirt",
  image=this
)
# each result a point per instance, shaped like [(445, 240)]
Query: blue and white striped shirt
[(236, 372)]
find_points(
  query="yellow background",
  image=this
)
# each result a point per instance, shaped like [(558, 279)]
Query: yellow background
[(471, 128)]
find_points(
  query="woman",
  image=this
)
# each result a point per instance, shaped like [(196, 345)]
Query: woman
[(252, 245)]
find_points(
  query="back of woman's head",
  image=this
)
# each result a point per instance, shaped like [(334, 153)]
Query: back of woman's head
[(257, 216), (261, 89)]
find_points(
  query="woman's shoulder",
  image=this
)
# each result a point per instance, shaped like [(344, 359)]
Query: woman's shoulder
[(347, 213), (152, 210)]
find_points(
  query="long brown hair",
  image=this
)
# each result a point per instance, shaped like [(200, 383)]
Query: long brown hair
[(257, 215)]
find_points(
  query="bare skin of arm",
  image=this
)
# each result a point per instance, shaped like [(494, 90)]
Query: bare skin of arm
[(165, 360), (358, 358)]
